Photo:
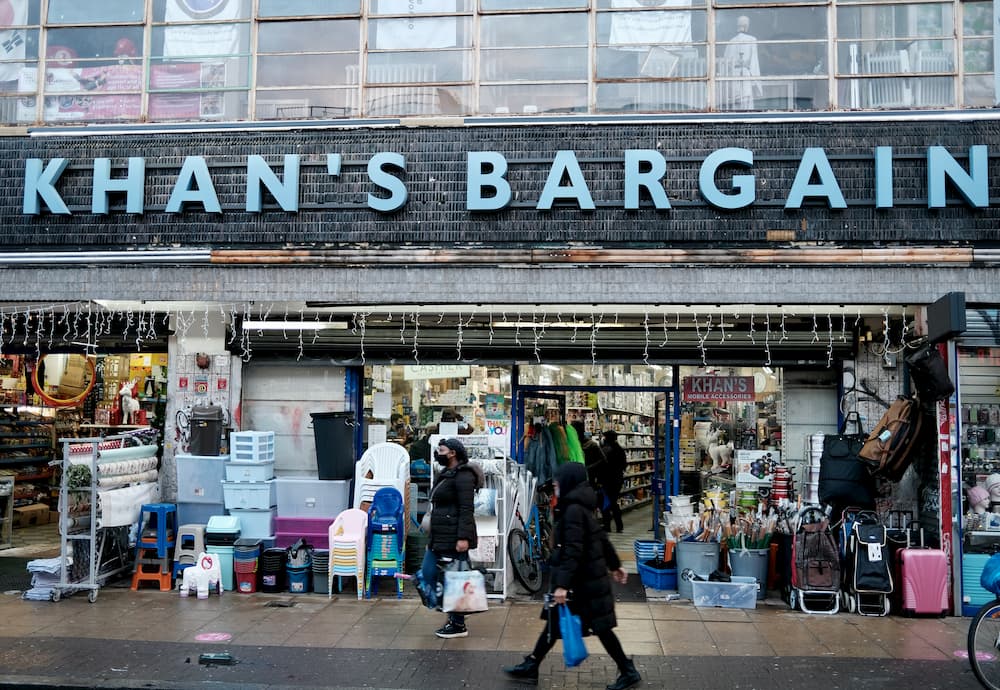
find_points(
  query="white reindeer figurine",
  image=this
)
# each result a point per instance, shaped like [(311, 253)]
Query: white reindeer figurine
[(130, 406)]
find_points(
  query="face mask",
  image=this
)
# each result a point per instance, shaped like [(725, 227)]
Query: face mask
[(441, 459)]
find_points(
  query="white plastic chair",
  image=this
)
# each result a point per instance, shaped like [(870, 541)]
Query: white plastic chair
[(348, 549), (389, 466)]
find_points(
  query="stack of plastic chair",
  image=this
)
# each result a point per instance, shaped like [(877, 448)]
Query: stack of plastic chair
[(382, 465), (348, 537), (386, 539)]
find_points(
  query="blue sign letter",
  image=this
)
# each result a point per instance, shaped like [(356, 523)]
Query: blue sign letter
[(194, 184), (972, 185), (565, 163), (132, 184), (745, 185), (40, 184), (378, 174), (883, 177), (486, 170), (287, 194), (650, 180), (814, 161)]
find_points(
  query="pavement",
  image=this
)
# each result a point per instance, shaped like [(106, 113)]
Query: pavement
[(153, 639)]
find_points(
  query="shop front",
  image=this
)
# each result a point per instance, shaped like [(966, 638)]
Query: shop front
[(702, 288)]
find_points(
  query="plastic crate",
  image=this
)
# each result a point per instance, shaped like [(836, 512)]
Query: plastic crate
[(739, 593), (249, 495), (239, 471), (657, 579), (252, 446)]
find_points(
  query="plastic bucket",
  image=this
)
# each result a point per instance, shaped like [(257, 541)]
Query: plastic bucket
[(298, 580), (751, 563), (246, 583), (700, 557)]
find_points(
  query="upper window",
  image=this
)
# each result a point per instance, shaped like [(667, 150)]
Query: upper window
[(307, 8)]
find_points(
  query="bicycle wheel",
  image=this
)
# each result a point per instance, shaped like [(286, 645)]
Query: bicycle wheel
[(984, 645), (526, 568)]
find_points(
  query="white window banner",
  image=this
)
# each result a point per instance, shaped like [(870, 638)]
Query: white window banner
[(206, 39), (12, 41), (415, 31), (639, 30)]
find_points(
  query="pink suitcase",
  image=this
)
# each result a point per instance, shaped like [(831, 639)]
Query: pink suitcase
[(924, 579)]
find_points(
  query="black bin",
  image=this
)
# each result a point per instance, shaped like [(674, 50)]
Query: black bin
[(334, 435), (206, 430)]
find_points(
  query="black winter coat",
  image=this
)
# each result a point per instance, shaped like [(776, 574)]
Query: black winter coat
[(581, 560), (452, 512), (613, 471)]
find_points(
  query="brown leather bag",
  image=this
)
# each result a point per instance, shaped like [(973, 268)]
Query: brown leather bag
[(890, 446)]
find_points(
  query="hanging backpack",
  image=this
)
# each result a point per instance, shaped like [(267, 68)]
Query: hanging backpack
[(888, 450), (929, 373)]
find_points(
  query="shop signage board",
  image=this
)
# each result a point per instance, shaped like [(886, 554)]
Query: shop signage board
[(419, 372), (718, 388), (488, 188)]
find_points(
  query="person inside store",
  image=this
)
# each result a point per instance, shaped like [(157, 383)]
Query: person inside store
[(612, 478), (420, 449), (593, 456), (581, 566), (453, 521), (399, 430)]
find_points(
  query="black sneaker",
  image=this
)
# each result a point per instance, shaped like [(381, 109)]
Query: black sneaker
[(451, 630)]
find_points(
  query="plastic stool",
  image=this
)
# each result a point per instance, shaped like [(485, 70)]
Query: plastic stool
[(161, 517), (190, 542), (150, 568)]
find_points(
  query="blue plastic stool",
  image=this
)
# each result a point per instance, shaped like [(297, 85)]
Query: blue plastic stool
[(163, 518)]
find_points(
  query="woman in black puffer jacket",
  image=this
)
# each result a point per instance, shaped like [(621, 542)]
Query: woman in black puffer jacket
[(453, 521), (582, 563)]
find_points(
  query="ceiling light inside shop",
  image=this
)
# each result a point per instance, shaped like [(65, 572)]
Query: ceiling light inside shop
[(550, 367), (577, 375), (294, 326), (563, 324)]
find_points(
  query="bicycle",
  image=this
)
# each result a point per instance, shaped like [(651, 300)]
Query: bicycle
[(983, 643), (528, 544)]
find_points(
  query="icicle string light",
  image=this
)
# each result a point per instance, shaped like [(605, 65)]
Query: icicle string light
[(645, 329), (665, 336), (829, 346), (416, 331), (458, 344)]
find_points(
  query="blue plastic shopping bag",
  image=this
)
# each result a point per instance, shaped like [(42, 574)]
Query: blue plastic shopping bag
[(571, 630), (990, 577)]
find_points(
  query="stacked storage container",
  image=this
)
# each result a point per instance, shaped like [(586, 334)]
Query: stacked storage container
[(221, 534), (249, 490), (199, 487), (307, 508)]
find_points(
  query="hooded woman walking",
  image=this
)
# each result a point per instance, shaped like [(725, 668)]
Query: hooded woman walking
[(582, 563)]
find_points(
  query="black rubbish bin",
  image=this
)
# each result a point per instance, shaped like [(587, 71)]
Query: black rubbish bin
[(206, 430), (334, 435)]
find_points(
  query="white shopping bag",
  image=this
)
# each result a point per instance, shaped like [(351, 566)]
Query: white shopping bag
[(464, 592)]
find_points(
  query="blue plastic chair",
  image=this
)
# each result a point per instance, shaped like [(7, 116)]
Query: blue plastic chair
[(386, 539)]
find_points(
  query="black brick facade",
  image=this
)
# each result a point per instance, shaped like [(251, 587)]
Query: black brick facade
[(334, 213)]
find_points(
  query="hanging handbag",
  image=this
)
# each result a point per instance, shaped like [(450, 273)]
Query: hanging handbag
[(844, 480), (464, 589), (571, 631), (930, 374)]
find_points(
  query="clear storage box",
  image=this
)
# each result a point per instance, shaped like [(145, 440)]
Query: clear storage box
[(255, 523), (199, 478), (740, 593), (246, 495), (312, 498), (239, 471)]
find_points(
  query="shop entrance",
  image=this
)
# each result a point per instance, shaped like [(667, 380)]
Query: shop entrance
[(642, 416)]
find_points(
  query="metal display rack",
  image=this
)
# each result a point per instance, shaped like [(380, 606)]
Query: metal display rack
[(89, 555)]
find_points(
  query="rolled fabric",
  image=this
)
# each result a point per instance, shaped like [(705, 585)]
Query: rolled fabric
[(124, 479)]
